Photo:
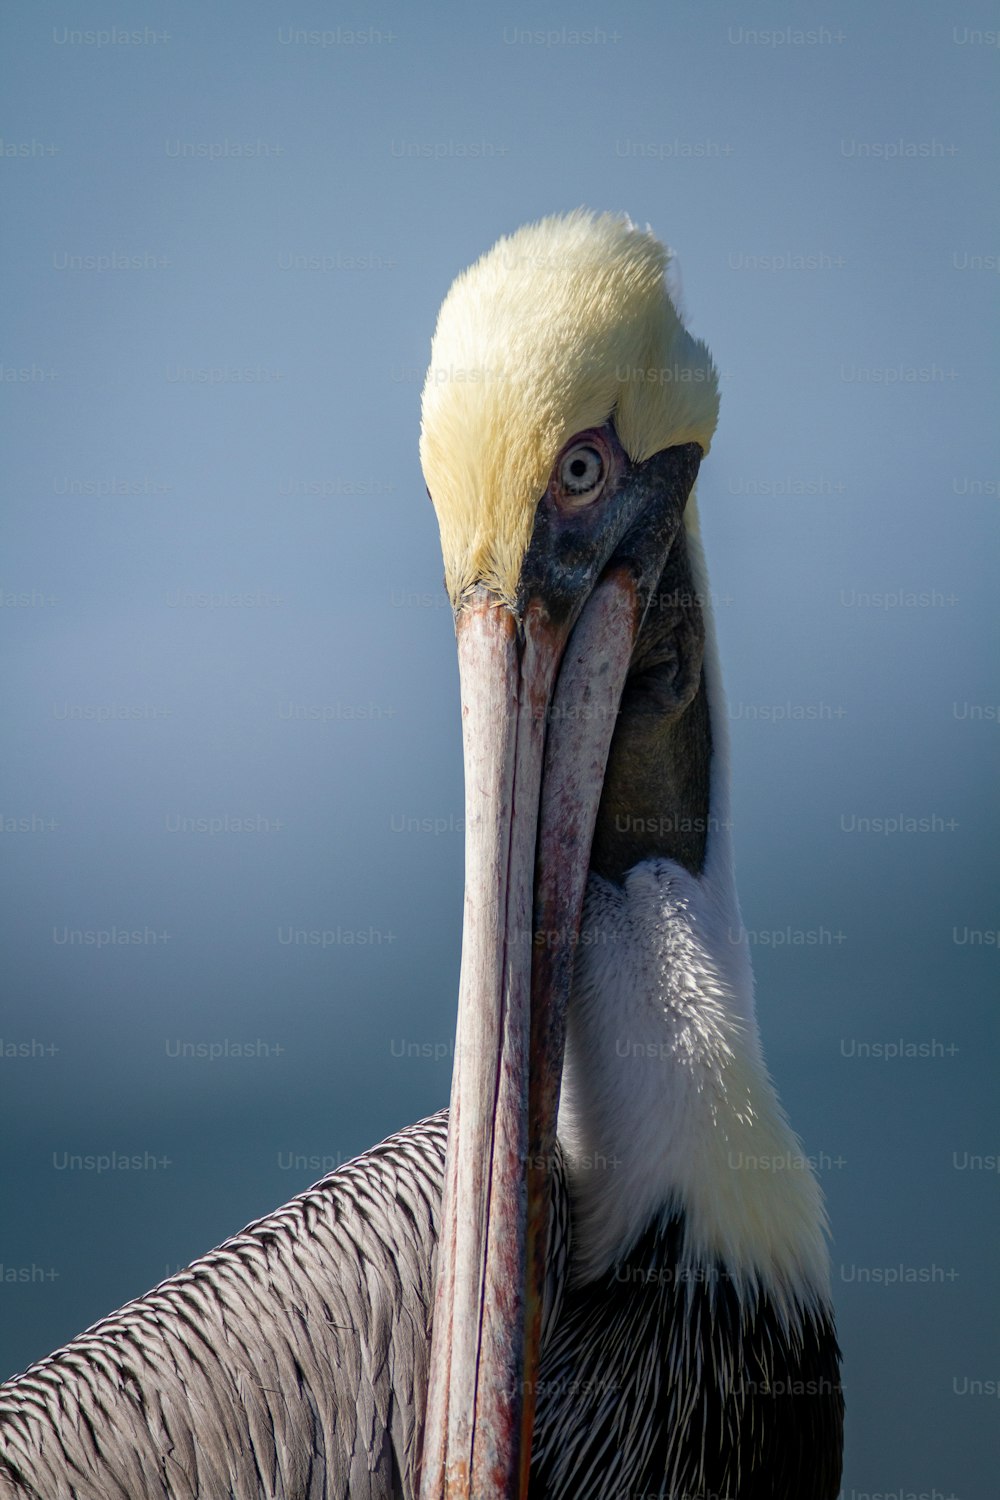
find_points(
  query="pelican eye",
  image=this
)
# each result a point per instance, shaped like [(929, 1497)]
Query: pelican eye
[(581, 474)]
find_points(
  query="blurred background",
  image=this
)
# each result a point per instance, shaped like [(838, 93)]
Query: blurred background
[(233, 788)]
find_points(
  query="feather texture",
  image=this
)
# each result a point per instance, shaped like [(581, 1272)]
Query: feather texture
[(291, 1364)]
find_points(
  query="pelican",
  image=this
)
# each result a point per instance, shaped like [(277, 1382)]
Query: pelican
[(603, 1272)]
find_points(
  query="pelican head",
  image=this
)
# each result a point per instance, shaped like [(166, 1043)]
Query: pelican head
[(565, 413)]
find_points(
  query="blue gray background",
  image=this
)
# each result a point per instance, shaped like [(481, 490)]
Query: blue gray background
[(228, 231)]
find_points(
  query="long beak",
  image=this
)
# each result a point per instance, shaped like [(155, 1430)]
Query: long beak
[(473, 1425), (538, 709)]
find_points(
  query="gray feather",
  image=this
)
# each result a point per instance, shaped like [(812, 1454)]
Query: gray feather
[(288, 1364)]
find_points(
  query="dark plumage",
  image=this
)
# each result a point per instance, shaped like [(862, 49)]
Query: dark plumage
[(291, 1363)]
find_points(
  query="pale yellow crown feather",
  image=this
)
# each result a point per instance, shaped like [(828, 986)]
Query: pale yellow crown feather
[(558, 327)]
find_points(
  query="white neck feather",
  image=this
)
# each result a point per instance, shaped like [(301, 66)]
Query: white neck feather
[(666, 1105)]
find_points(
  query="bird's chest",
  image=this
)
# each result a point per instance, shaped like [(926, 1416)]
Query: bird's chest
[(661, 1382)]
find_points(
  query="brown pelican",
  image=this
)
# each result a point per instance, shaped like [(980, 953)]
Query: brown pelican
[(620, 1251)]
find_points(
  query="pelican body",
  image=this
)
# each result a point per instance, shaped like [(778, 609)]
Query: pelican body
[(603, 1272)]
